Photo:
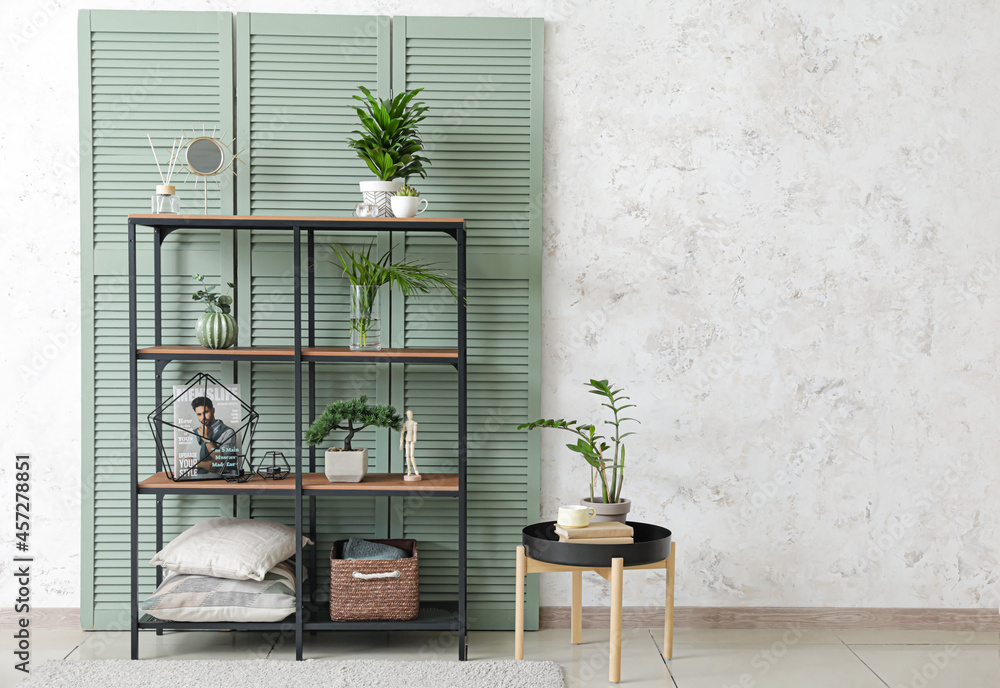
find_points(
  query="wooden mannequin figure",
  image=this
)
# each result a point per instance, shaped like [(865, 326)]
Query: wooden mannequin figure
[(408, 439)]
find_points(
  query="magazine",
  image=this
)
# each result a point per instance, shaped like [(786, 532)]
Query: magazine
[(207, 433)]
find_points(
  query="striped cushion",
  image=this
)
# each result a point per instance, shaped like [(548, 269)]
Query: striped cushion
[(191, 597)]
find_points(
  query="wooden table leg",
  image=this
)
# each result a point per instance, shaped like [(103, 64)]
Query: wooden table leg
[(522, 571), (576, 636), (615, 661), (668, 613)]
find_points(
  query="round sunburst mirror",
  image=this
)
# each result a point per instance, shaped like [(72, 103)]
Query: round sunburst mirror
[(205, 156)]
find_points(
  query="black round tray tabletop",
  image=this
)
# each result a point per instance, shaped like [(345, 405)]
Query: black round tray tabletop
[(652, 544)]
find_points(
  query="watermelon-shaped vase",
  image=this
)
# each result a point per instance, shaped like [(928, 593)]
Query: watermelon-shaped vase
[(216, 330)]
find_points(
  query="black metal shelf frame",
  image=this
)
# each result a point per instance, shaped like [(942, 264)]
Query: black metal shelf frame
[(453, 616)]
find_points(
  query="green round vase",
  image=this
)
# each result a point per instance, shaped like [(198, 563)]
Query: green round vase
[(216, 330)]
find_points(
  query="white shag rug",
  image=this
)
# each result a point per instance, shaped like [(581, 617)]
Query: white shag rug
[(310, 673)]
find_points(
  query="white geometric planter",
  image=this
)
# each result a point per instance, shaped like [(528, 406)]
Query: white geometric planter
[(346, 466), (380, 194)]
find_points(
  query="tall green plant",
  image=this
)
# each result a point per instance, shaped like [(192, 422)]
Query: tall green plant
[(389, 142), (609, 469), (369, 275)]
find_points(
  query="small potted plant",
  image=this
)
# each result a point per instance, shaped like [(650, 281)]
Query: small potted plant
[(607, 468), (389, 144), (367, 276), (406, 202), (216, 328), (349, 465)]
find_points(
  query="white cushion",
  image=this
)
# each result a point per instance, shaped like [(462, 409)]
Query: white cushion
[(237, 548), (186, 597)]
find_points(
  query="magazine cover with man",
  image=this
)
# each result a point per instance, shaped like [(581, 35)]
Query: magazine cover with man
[(206, 438)]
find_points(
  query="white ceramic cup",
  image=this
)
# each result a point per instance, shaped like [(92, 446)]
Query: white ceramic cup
[(575, 516), (408, 206)]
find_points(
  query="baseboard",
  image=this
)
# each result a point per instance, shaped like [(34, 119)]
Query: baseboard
[(878, 618), (44, 617)]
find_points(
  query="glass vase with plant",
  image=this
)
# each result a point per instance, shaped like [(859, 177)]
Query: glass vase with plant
[(607, 467), (367, 276)]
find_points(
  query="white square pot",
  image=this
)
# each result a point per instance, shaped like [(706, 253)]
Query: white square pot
[(346, 466)]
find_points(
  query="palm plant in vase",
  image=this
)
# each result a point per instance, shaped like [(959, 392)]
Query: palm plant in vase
[(367, 276), (607, 468)]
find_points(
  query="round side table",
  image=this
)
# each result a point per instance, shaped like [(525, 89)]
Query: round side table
[(543, 553)]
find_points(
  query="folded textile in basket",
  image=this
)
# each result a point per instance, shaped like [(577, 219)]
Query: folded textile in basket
[(355, 548)]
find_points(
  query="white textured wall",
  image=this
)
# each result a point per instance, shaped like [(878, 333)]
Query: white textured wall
[(772, 222)]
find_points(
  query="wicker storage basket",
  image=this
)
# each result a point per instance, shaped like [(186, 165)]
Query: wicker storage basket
[(374, 590)]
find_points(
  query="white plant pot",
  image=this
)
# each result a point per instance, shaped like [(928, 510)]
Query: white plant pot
[(380, 195), (608, 512), (346, 466)]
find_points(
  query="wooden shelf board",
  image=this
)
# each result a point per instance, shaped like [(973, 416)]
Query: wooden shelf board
[(287, 352), (291, 218), (443, 484)]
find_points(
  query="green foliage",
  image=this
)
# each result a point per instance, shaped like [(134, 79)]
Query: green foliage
[(353, 415), (362, 271), (591, 446), (407, 190), (214, 303), (388, 142)]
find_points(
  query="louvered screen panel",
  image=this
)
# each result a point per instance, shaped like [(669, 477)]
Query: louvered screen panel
[(301, 71), (479, 134), (111, 529), (165, 74), (298, 75), (482, 81)]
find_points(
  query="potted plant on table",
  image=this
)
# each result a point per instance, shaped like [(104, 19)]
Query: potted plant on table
[(389, 144), (367, 276), (607, 467), (349, 465), (406, 202), (216, 328)]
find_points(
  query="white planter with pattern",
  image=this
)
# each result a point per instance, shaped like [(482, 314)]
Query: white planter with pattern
[(380, 195)]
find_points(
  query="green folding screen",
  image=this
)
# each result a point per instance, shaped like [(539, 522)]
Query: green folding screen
[(282, 84)]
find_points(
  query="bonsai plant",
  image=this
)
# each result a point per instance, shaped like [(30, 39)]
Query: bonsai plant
[(406, 202), (349, 465), (389, 143), (607, 468), (216, 328), (367, 276)]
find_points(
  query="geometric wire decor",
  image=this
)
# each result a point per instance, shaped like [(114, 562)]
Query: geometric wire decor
[(222, 454)]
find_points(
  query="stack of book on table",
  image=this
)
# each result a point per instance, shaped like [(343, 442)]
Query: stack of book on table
[(601, 533)]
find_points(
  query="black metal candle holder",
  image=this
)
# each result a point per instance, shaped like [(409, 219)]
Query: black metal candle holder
[(236, 473), (274, 471)]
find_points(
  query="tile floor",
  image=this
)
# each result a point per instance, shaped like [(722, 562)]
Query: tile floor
[(702, 659)]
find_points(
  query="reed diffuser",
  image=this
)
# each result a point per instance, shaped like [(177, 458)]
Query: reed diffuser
[(165, 199)]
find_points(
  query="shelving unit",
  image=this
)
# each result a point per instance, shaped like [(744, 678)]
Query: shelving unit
[(445, 616)]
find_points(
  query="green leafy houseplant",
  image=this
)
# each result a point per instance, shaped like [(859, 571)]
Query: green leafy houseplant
[(609, 468), (352, 416), (367, 275), (388, 141), (214, 303)]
